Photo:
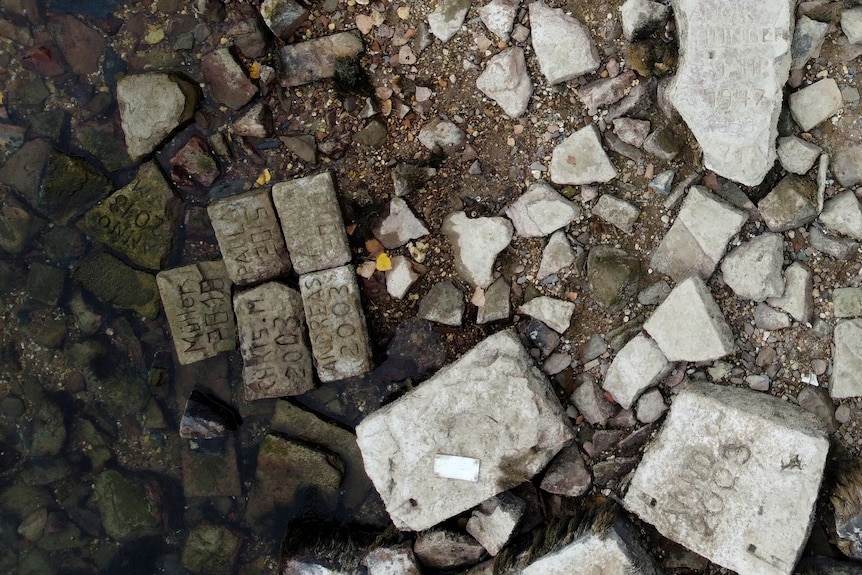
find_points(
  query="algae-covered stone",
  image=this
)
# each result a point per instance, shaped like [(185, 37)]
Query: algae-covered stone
[(210, 549), (790, 204), (129, 511), (118, 285), (613, 276), (69, 186), (139, 220), (104, 140)]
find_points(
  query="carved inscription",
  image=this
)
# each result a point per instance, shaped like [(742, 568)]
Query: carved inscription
[(336, 324), (276, 360), (312, 224), (249, 237), (198, 307)]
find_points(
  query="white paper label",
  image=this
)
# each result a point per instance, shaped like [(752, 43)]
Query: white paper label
[(456, 467)]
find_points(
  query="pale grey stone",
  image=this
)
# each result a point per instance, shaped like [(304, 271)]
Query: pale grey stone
[(541, 211), (847, 302), (391, 561), (796, 299), (271, 325), (698, 238), (506, 81), (838, 248), (567, 475), (442, 137), (639, 365), (617, 212), (401, 277), (663, 144), (336, 323), (460, 412), (590, 400), (728, 87), (444, 549), (444, 303), (198, 307), (311, 222), (796, 155), (315, 59), (753, 269), (640, 17), (475, 245), (283, 17), (719, 450), (446, 19), (790, 204), (563, 45), (815, 103), (662, 183), (497, 305), (847, 166), (553, 312), (494, 522), (151, 107), (846, 359), (769, 319), (632, 131), (808, 36), (758, 382), (851, 24), (399, 226), (556, 363), (580, 158), (499, 16), (557, 255), (654, 294), (843, 214), (650, 406), (612, 275), (249, 237), (689, 326)]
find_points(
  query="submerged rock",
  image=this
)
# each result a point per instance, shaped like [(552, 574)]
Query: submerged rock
[(129, 510)]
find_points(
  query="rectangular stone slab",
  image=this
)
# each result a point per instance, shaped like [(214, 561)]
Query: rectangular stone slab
[(336, 324), (198, 307), (492, 405), (276, 360), (312, 223), (312, 60), (733, 475), (249, 237)]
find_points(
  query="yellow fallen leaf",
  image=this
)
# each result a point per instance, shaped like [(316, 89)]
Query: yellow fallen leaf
[(1, 98), (384, 264), (254, 70), (264, 177)]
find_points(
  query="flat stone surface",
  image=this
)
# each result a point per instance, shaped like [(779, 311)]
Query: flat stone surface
[(151, 107), (283, 17), (842, 214), (276, 361), (815, 103), (118, 285), (753, 269), (499, 16), (555, 313), (770, 319), (613, 276), (733, 476), (640, 17), (557, 255), (506, 81), (808, 36), (494, 522), (562, 44), (399, 226), (311, 222), (444, 303), (315, 59), (580, 158), (497, 305), (446, 19), (541, 211), (698, 237), (728, 88), (650, 406), (336, 323), (639, 365), (197, 302), (796, 155), (838, 248), (617, 212), (461, 411), (249, 237), (790, 204), (475, 245), (847, 360), (567, 475), (846, 165), (796, 299), (591, 402), (689, 326), (847, 302), (851, 24)]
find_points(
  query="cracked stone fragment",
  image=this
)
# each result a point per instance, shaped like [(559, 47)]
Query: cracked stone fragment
[(847, 302), (283, 17), (580, 159), (506, 81), (442, 137), (808, 36), (541, 211), (843, 214), (151, 107), (639, 365), (558, 255), (815, 103), (612, 275), (753, 269), (563, 45), (689, 325), (399, 226), (728, 88), (555, 313), (446, 19), (460, 412), (475, 245), (497, 305), (400, 277), (494, 522), (847, 166), (698, 238), (499, 16), (720, 449), (391, 561), (797, 155), (796, 299), (315, 59), (567, 474)]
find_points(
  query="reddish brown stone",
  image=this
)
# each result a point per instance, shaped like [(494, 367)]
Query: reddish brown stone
[(194, 163), (228, 82), (81, 45), (44, 59)]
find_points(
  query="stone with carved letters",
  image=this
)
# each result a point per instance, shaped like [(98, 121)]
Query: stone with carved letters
[(735, 60)]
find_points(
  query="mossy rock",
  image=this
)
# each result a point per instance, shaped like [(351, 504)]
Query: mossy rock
[(613, 276), (127, 508), (119, 285), (69, 186), (210, 549)]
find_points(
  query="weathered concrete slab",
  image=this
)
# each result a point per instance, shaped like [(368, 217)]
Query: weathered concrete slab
[(847, 360), (492, 405), (315, 59), (580, 158), (640, 364), (563, 45), (797, 299), (336, 323), (753, 269), (312, 224), (198, 307), (541, 211), (276, 361), (698, 237), (735, 60), (689, 326), (733, 476), (249, 237)]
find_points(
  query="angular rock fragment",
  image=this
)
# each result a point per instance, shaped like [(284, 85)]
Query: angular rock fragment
[(444, 549), (499, 16), (851, 24), (613, 276), (210, 548), (640, 17), (336, 323), (650, 406), (770, 319), (69, 186), (567, 475), (391, 561), (399, 226), (316, 59), (617, 212), (557, 255), (591, 402), (632, 131), (639, 365), (497, 305), (128, 508), (255, 122), (194, 162), (847, 360), (475, 245), (563, 45), (847, 166), (401, 442), (283, 17), (227, 80), (119, 285), (493, 523), (796, 299), (446, 19), (311, 221), (605, 91), (847, 302), (400, 277), (17, 225), (81, 45), (728, 87), (663, 144), (443, 303), (843, 214), (506, 81), (407, 178), (442, 137), (698, 238), (689, 326), (555, 313), (207, 417), (541, 211), (790, 204), (808, 36), (580, 158), (815, 103), (753, 269), (720, 449), (198, 307), (797, 155)]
